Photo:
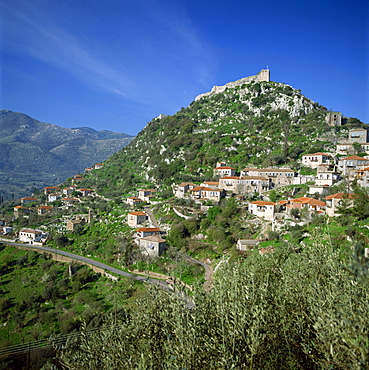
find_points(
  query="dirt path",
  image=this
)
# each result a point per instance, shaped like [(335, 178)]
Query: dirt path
[(151, 216), (208, 272)]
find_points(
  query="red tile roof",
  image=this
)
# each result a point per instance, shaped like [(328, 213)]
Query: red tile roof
[(137, 213), (318, 153), (354, 158), (363, 169), (310, 201), (341, 196), (263, 203), (148, 229)]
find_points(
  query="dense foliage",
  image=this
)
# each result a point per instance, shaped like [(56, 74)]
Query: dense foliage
[(306, 309), (41, 297)]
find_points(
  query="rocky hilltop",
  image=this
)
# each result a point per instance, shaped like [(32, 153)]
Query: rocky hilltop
[(34, 153), (263, 75), (244, 123)]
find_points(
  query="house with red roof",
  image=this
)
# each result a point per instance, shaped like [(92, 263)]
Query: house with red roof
[(183, 188), (311, 204), (77, 178), (316, 159), (43, 210), (142, 232), (85, 192), (50, 189), (224, 171), (335, 201), (362, 177), (134, 201), (278, 176), (28, 200), (20, 211), (136, 218), (262, 209), (202, 192), (349, 165)]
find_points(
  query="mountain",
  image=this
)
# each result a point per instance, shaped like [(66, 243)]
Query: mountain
[(248, 122), (34, 153)]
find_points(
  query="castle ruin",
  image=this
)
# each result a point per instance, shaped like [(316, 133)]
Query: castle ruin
[(263, 75)]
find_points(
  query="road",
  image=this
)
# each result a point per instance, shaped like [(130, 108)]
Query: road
[(90, 261)]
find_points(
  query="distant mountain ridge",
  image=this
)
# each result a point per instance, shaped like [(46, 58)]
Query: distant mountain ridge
[(34, 153)]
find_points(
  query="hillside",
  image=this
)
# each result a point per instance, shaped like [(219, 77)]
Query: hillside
[(34, 153), (255, 124), (264, 282)]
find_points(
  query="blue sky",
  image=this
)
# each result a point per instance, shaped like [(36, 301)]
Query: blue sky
[(116, 64)]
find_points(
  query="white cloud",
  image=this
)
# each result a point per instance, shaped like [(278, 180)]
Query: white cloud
[(135, 61)]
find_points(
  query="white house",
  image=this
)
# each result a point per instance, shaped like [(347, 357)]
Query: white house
[(316, 159), (147, 231), (262, 209), (247, 244), (183, 188), (53, 197), (133, 201), (31, 236), (201, 192), (146, 194), (154, 245), (350, 164), (224, 171), (278, 176), (334, 201), (136, 218), (326, 177)]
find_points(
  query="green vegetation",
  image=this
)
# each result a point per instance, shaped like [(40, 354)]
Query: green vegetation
[(295, 308), (299, 300), (41, 297), (187, 145)]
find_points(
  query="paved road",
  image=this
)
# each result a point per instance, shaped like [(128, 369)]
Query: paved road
[(90, 261)]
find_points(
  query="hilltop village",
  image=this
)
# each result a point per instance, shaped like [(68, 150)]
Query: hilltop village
[(260, 190), (190, 227)]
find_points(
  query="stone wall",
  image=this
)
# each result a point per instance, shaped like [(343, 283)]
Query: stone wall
[(263, 75)]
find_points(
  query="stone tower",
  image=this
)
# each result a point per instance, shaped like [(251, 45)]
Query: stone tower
[(334, 118)]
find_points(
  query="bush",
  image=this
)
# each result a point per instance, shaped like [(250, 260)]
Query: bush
[(285, 311)]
